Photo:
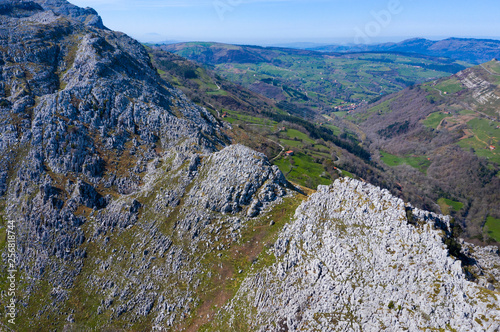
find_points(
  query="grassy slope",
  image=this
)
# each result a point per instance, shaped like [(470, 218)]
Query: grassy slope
[(493, 228), (448, 205), (419, 162)]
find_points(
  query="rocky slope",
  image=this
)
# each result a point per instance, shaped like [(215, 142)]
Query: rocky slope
[(351, 261), (133, 212), (89, 132)]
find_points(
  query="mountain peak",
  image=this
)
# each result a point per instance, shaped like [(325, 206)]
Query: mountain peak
[(88, 16)]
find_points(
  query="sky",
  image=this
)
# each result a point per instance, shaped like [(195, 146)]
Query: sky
[(267, 22)]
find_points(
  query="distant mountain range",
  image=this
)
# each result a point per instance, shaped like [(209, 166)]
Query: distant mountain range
[(474, 51)]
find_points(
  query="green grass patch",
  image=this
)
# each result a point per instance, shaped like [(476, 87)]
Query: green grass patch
[(217, 93), (434, 119), (450, 86), (321, 147), (493, 66), (492, 226), (419, 162), (302, 170), (236, 117), (336, 130), (291, 143), (448, 205), (293, 133), (340, 114), (486, 139), (347, 174)]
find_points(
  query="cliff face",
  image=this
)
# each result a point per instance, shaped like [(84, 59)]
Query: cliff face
[(133, 212)]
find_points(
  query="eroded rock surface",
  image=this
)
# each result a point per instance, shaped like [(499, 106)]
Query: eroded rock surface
[(351, 261)]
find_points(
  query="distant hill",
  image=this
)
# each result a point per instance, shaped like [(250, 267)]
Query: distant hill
[(312, 79), (435, 144), (470, 50), (443, 137), (219, 53)]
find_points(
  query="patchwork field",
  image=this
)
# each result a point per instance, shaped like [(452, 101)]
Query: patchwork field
[(419, 162)]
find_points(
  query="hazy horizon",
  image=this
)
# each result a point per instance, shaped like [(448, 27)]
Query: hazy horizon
[(271, 22)]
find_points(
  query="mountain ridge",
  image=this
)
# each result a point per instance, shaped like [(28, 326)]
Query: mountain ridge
[(471, 50), (132, 209)]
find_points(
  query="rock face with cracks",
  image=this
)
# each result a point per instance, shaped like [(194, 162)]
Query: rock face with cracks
[(351, 261)]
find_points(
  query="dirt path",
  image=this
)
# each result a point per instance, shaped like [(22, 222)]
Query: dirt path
[(440, 125), (468, 134), (480, 140), (218, 114), (281, 146), (440, 92)]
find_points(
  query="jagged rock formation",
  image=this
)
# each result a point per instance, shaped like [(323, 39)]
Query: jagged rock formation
[(351, 261), (131, 207), (76, 99), (482, 91)]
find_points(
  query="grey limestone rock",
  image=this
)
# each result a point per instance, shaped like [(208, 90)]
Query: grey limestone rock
[(350, 260), (237, 178)]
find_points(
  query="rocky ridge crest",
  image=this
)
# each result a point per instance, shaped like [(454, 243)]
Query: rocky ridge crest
[(351, 260)]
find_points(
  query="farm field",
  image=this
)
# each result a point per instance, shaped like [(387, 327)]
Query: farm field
[(302, 169), (419, 162), (493, 227), (485, 140), (448, 205)]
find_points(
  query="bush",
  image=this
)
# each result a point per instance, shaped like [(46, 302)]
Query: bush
[(190, 74)]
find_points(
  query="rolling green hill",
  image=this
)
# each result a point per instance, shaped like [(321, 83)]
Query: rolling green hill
[(313, 80), (428, 144)]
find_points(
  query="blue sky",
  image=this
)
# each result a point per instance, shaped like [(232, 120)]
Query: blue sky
[(287, 21)]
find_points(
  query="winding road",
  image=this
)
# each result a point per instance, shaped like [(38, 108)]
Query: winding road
[(489, 71)]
